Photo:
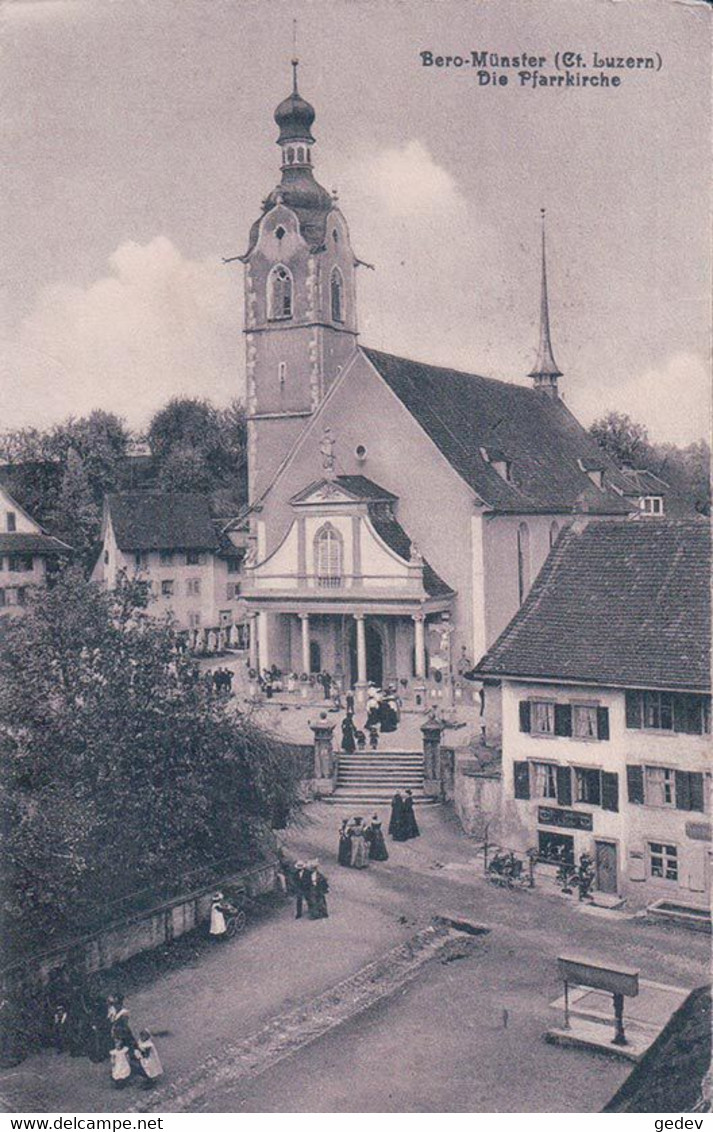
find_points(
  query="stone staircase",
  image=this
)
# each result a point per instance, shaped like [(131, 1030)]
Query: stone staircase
[(371, 778)]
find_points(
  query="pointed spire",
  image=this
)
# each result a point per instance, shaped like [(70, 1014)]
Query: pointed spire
[(545, 371)]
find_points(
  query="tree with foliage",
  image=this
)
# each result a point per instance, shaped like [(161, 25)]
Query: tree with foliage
[(625, 441), (191, 436), (75, 516), (119, 770)]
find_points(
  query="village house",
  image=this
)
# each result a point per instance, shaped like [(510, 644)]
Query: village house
[(171, 542), (27, 554), (605, 674), (399, 512)]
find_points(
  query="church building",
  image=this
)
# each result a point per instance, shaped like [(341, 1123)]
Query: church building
[(399, 511)]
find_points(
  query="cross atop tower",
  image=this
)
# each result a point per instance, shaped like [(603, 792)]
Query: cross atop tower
[(546, 370)]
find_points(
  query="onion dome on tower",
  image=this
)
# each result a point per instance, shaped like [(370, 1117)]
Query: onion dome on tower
[(298, 188)]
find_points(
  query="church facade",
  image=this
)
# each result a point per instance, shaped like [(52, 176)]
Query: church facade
[(399, 512)]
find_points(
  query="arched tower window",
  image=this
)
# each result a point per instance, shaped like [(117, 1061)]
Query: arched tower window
[(290, 155), (523, 561), (337, 294), (328, 557), (279, 293), (554, 531)]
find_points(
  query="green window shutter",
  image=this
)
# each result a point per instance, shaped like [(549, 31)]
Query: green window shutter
[(610, 791), (564, 786), (563, 719), (633, 709), (695, 791), (602, 723), (635, 784), (524, 715), (522, 780), (683, 791)]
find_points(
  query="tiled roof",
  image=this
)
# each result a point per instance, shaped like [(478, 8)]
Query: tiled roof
[(144, 520), (393, 534), (462, 412), (624, 603), (19, 542)]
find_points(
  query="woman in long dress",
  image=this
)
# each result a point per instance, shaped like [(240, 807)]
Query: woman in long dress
[(317, 893), (344, 853), (377, 845), (360, 849), (348, 734), (408, 818), (396, 821), (218, 926)]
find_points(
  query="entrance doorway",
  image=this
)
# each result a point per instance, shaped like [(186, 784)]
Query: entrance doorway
[(374, 653), (315, 657), (606, 866)]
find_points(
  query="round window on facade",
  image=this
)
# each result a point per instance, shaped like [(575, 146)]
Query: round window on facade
[(360, 453), (279, 232)]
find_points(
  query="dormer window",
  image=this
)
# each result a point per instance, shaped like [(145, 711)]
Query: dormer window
[(498, 462), (336, 289), (651, 504), (279, 293), (595, 473)]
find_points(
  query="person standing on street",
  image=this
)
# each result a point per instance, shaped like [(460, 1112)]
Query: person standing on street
[(301, 887), (408, 819), (317, 893), (397, 805)]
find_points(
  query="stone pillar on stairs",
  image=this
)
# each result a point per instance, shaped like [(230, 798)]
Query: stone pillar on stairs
[(325, 764), (432, 731)]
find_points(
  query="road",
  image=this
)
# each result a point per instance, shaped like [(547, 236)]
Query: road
[(439, 1044)]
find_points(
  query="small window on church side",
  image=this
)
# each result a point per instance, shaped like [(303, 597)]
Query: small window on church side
[(337, 297), (554, 531), (335, 235), (279, 231), (279, 299), (301, 154), (290, 155), (523, 561), (281, 372)]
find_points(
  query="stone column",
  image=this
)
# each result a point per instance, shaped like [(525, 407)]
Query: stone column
[(325, 765), (361, 659), (420, 646), (252, 640), (304, 618), (432, 731), (263, 646)]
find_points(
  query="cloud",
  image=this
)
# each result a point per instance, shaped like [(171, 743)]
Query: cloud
[(672, 401), (407, 182), (157, 325)]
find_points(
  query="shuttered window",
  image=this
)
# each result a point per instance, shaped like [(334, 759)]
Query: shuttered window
[(522, 780), (635, 784), (564, 786), (602, 723), (689, 791), (610, 791), (563, 719), (524, 715)]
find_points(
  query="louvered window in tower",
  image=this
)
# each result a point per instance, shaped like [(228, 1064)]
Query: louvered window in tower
[(328, 557), (280, 293), (337, 287)]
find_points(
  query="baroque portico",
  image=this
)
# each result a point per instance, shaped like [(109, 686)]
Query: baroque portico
[(346, 589)]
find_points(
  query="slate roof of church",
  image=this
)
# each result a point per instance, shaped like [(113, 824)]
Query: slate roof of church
[(360, 487), (31, 542), (463, 412), (144, 520), (393, 534), (623, 603)]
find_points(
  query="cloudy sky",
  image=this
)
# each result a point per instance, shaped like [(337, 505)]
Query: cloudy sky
[(138, 142)]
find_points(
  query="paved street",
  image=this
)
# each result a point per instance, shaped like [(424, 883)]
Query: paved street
[(439, 1044)]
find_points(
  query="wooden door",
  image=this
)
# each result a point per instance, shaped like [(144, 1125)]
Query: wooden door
[(606, 865)]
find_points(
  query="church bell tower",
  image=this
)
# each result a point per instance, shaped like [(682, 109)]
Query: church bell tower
[(300, 299)]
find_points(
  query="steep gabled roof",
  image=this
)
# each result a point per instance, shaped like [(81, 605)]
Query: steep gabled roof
[(31, 542), (623, 603), (393, 534), (462, 413), (359, 487), (144, 520)]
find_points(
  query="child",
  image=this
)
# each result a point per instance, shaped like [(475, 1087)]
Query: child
[(360, 740), (148, 1060), (373, 738), (120, 1064)]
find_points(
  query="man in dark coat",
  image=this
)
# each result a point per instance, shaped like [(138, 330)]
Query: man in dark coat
[(395, 822), (409, 826), (317, 892), (302, 881)]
